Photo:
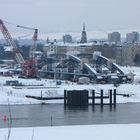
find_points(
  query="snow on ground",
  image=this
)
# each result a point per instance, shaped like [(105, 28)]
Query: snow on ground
[(89, 132), (50, 88), (17, 95)]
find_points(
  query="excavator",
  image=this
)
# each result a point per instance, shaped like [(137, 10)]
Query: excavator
[(29, 69)]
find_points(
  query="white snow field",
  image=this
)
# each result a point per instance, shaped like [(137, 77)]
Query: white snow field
[(87, 132), (49, 88)]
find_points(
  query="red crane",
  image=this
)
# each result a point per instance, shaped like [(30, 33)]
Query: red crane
[(29, 69), (11, 42)]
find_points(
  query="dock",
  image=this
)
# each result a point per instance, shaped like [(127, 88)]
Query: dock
[(82, 98)]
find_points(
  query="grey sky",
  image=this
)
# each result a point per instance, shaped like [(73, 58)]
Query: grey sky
[(69, 15)]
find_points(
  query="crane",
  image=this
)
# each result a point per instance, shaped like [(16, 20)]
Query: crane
[(34, 38), (11, 42), (28, 67)]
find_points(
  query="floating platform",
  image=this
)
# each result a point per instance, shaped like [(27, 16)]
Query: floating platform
[(82, 98)]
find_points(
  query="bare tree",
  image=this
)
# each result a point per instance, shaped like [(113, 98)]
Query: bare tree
[(9, 121), (32, 135)]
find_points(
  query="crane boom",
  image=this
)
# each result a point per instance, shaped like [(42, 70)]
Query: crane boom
[(11, 42), (28, 28), (34, 38)]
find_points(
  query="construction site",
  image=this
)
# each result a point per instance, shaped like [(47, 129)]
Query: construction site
[(81, 67)]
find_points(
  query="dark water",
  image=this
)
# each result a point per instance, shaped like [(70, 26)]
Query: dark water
[(57, 114)]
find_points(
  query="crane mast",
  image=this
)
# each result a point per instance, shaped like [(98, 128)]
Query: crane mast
[(34, 47)]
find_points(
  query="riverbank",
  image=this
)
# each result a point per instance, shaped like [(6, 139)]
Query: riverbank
[(51, 88), (89, 132)]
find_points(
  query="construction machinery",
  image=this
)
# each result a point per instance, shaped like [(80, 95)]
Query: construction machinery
[(29, 69), (34, 38)]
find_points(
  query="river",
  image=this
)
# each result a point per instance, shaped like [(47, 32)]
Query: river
[(57, 115)]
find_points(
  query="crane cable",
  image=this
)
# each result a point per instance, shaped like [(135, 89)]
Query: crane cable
[(9, 22)]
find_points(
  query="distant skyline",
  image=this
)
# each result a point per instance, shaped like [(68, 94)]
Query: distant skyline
[(69, 15)]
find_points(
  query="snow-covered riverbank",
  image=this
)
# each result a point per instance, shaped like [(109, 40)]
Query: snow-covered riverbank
[(50, 88), (89, 132)]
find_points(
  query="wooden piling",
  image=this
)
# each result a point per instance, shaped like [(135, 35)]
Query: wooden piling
[(110, 97), (65, 97), (93, 97), (114, 97), (101, 98)]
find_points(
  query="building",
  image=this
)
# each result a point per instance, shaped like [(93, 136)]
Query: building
[(132, 37), (84, 35), (67, 38), (114, 37), (124, 55)]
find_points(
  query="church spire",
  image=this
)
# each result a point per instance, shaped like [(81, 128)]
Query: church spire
[(84, 27), (84, 35)]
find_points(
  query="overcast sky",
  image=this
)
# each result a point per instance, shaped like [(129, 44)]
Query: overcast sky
[(69, 15)]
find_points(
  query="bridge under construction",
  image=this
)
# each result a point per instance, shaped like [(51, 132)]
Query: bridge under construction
[(101, 70)]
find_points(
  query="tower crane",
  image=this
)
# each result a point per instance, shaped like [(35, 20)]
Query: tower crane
[(34, 38), (29, 69)]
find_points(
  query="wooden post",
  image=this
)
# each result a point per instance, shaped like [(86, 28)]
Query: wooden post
[(87, 97), (93, 97), (110, 97), (41, 95), (51, 121), (101, 97), (65, 97), (114, 97)]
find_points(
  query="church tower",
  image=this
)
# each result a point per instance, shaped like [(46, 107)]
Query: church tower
[(84, 35)]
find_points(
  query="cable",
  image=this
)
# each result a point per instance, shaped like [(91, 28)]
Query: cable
[(9, 22)]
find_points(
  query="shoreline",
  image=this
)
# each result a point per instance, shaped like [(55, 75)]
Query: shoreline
[(82, 132)]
